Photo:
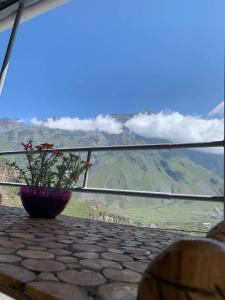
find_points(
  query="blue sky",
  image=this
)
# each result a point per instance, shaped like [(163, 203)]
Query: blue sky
[(97, 57)]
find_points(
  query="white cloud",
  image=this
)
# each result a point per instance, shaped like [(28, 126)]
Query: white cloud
[(36, 122), (218, 110), (177, 128), (172, 126), (100, 123)]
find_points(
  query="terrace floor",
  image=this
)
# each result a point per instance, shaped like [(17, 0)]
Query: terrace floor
[(70, 258)]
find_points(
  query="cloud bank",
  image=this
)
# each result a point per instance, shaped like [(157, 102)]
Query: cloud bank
[(176, 127), (100, 123), (171, 126)]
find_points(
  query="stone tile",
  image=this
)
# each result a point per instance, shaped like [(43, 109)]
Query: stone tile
[(134, 250), (99, 264), (62, 252), (115, 250), (85, 242), (54, 290), (42, 234), (45, 239), (116, 256), (89, 255), (7, 250), (10, 244), (118, 291), (87, 247), (66, 241), (9, 258), (137, 266), (53, 245), (22, 235), (124, 275), (132, 244), (84, 278), (73, 266), (14, 275), (37, 254), (76, 233), (36, 248), (66, 259), (47, 276), (109, 245), (140, 257), (43, 265)]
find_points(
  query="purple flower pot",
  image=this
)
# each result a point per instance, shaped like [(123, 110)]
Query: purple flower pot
[(42, 202)]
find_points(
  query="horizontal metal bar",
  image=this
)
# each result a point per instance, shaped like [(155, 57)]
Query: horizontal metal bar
[(129, 147), (133, 193), (146, 194), (180, 230), (13, 184)]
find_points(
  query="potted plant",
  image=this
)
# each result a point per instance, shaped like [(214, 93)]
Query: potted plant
[(49, 175)]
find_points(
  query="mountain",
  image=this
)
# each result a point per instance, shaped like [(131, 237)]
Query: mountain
[(177, 171), (8, 196)]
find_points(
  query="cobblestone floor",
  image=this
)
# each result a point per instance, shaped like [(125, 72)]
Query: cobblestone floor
[(69, 258)]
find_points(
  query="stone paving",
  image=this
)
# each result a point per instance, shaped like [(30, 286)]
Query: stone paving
[(70, 258)]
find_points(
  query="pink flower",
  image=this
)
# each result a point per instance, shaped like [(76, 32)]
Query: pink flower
[(27, 146), (46, 146), (58, 153), (87, 164), (76, 178)]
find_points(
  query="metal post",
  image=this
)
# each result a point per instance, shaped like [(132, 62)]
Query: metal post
[(224, 132), (86, 171), (10, 45)]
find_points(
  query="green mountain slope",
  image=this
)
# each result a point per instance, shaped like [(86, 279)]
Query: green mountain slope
[(150, 172)]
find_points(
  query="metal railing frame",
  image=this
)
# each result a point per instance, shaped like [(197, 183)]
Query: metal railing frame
[(132, 193)]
